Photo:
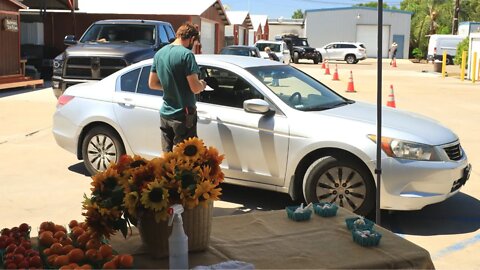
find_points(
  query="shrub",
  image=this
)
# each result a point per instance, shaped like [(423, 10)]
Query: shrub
[(462, 46), (417, 53)]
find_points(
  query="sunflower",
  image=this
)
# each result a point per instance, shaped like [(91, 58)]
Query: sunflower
[(213, 160), (142, 175), (190, 150), (130, 202), (207, 191), (106, 180), (98, 225), (155, 196)]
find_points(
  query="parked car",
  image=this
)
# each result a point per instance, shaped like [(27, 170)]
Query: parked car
[(299, 48), (105, 47), (440, 43), (299, 137), (280, 48), (241, 50), (351, 52)]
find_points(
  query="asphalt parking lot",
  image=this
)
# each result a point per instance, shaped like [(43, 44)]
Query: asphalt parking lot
[(41, 181)]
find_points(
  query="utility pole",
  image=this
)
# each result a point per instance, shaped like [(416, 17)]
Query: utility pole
[(456, 10)]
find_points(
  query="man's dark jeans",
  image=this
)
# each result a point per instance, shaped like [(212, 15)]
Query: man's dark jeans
[(175, 131)]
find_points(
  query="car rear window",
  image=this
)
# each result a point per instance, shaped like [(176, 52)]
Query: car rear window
[(363, 46), (274, 47)]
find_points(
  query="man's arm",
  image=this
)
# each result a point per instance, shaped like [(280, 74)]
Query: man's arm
[(153, 82), (196, 84)]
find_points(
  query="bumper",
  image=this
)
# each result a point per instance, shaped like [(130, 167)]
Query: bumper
[(59, 84), (65, 132), (422, 183), (310, 55)]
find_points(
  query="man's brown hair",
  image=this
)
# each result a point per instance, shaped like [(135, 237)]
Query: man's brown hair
[(188, 30)]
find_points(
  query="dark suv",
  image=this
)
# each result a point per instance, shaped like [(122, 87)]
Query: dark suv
[(106, 47), (299, 48)]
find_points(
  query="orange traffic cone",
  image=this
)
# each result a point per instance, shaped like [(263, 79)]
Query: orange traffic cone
[(391, 98), (351, 88), (335, 74), (394, 63), (323, 64), (327, 70)]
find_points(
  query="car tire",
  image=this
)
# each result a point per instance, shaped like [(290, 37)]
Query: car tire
[(320, 58), (350, 59), (101, 146), (316, 60), (340, 180), (295, 57), (449, 60)]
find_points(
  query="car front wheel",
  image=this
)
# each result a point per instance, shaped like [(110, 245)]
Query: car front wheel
[(341, 181), (296, 56), (100, 147), (351, 59)]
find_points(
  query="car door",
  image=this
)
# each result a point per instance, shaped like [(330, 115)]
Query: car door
[(137, 112), (255, 145), (329, 52)]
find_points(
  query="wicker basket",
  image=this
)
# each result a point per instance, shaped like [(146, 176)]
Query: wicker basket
[(197, 224)]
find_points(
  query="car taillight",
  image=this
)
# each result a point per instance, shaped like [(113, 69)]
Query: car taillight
[(362, 50), (63, 99)]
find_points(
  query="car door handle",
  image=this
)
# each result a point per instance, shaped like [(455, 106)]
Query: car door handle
[(127, 102), (203, 114)]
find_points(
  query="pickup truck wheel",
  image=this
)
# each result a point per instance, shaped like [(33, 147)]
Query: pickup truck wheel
[(350, 59), (341, 181), (295, 57), (100, 147), (316, 60), (449, 60)]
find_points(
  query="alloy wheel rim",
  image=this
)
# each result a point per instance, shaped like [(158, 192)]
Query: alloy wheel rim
[(343, 186), (101, 152)]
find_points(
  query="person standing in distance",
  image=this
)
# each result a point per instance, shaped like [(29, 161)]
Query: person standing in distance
[(175, 72), (393, 51)]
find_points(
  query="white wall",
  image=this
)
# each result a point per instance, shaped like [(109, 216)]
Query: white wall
[(474, 47), (340, 24), (279, 29)]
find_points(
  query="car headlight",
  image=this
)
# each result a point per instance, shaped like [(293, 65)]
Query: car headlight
[(57, 66), (405, 149)]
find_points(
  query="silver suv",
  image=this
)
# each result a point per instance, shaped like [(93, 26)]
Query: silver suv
[(351, 52)]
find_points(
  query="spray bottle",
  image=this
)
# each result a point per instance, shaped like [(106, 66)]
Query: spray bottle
[(178, 240)]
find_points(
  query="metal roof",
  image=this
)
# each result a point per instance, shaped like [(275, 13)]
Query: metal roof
[(49, 4), (157, 7), (258, 20), (238, 17)]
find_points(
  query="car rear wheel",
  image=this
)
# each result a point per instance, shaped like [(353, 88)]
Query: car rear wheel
[(350, 59), (100, 147), (340, 181)]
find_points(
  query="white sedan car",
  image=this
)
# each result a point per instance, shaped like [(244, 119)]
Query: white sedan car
[(294, 136)]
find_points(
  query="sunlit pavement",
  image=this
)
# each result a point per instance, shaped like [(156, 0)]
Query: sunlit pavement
[(41, 181)]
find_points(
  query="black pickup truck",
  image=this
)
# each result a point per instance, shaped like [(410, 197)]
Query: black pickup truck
[(106, 47)]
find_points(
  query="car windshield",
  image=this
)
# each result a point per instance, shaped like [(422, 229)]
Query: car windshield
[(273, 46), (120, 33), (238, 51), (297, 89), (300, 42)]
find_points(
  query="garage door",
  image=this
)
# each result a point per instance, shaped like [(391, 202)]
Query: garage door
[(367, 34), (241, 35), (207, 37)]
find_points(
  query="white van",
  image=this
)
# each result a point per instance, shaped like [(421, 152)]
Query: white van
[(440, 43), (278, 47)]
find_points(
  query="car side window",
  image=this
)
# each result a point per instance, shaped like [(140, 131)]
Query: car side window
[(129, 80), (170, 32), (143, 87), (229, 89), (163, 35)]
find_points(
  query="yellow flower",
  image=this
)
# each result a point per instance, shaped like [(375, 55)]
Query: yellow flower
[(155, 196), (107, 179), (190, 150), (130, 201), (213, 160)]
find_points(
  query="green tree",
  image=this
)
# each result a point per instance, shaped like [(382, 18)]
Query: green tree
[(375, 5), (297, 14)]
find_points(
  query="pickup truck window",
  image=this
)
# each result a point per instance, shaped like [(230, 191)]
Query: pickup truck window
[(120, 33), (170, 32), (163, 35)]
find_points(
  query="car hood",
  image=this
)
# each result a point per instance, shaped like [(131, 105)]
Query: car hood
[(395, 123), (108, 50)]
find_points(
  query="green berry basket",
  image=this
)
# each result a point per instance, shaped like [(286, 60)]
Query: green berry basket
[(366, 238), (325, 209), (354, 223), (305, 215)]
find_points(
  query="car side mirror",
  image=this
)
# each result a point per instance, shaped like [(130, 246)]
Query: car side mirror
[(69, 40), (257, 106)]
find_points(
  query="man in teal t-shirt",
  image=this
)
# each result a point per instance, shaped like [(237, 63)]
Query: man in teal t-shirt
[(175, 72)]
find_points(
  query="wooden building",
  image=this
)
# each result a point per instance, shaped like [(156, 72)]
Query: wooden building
[(260, 28), (12, 67), (209, 15), (237, 32)]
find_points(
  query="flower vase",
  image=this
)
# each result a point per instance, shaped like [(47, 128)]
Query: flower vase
[(197, 223)]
